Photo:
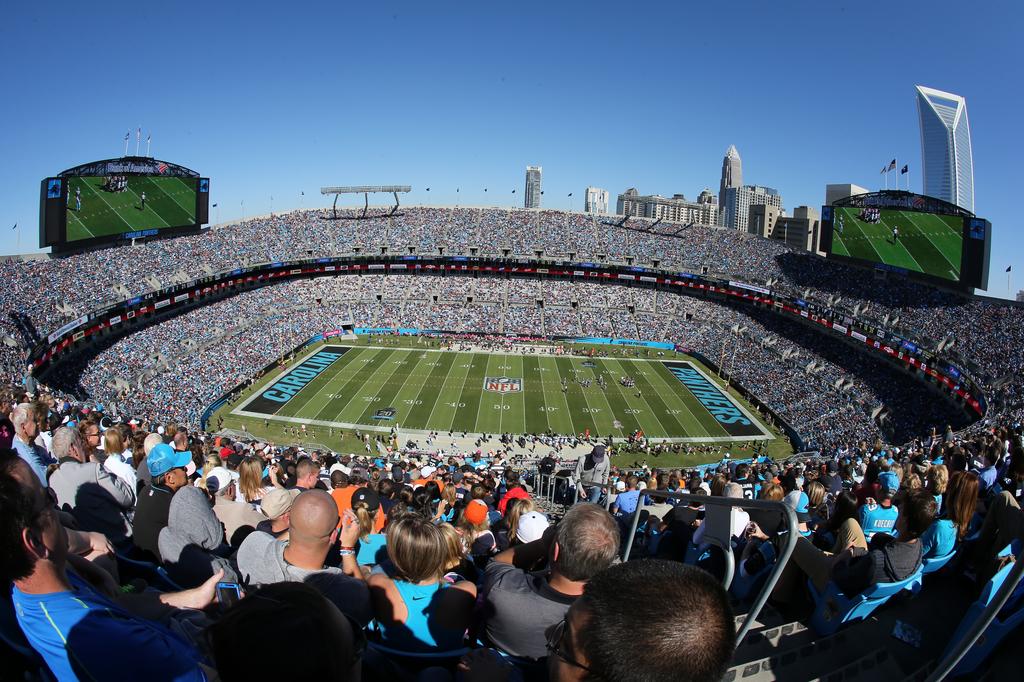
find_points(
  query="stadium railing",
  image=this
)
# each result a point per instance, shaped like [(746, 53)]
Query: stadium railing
[(718, 516)]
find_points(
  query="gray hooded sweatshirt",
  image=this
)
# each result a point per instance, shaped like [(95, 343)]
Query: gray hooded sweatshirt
[(192, 545)]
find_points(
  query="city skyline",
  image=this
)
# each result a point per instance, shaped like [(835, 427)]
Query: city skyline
[(449, 115)]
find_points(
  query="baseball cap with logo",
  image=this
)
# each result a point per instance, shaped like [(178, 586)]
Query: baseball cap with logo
[(366, 496), (162, 458), (278, 502)]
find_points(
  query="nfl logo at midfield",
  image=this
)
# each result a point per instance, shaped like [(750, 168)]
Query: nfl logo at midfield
[(503, 385)]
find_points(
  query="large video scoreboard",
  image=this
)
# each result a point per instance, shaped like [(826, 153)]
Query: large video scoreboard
[(118, 199), (910, 234)]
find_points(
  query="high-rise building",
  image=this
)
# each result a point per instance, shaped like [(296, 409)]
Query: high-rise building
[(799, 231), (946, 158), (532, 195), (834, 193), (596, 200), (738, 201), (675, 209), (732, 175)]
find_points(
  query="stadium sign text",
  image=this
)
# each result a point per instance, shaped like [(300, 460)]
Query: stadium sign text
[(295, 380), (714, 400)]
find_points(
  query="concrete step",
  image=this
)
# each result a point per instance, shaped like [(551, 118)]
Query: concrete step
[(768, 641), (803, 662)]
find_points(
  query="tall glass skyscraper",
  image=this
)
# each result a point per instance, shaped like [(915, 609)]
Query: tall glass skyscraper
[(532, 194), (732, 176), (946, 159)]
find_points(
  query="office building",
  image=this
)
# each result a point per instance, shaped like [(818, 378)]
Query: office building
[(732, 175), (946, 161), (799, 231), (675, 209), (533, 192), (738, 201), (834, 193), (595, 200)]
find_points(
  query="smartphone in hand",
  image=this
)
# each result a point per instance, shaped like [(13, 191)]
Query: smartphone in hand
[(228, 594)]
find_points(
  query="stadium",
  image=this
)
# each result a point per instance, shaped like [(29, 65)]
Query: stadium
[(501, 341)]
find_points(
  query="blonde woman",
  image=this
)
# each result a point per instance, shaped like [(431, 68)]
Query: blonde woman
[(209, 464), (114, 462), (417, 610), (454, 566), (250, 481)]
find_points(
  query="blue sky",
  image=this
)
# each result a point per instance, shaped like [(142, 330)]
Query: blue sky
[(273, 99)]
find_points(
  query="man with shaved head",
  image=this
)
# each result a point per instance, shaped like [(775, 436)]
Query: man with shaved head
[(262, 560)]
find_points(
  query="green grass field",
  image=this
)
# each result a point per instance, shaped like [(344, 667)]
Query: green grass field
[(420, 389), (927, 243), (170, 202)]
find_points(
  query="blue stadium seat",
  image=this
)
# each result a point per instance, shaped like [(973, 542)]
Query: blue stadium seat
[(933, 564), (834, 609), (156, 576), (1010, 617)]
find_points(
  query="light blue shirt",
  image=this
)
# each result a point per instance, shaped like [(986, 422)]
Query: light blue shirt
[(36, 457), (939, 539)]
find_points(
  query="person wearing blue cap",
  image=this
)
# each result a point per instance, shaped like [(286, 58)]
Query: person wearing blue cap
[(879, 516), (169, 469)]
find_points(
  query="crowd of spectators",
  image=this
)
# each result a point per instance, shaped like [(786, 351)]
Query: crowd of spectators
[(174, 369), (983, 336), (145, 544)]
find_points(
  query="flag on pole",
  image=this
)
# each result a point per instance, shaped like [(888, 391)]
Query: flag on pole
[(138, 134), (905, 169), (16, 227), (892, 165), (884, 168), (127, 135), (215, 205), (149, 138), (1009, 267)]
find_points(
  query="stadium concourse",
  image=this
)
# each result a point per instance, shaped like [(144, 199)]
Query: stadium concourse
[(120, 517)]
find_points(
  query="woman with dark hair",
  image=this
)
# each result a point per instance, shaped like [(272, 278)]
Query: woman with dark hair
[(868, 487), (845, 509), (416, 609)]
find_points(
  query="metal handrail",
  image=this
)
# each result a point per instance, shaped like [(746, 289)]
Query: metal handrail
[(789, 541), (979, 626)]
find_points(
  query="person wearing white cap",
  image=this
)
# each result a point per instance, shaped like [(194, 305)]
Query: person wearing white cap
[(238, 517)]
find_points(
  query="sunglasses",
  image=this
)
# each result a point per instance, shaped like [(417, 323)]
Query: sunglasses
[(554, 647)]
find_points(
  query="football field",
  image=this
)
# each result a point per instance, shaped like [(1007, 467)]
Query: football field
[(419, 390), (928, 243), (170, 202)]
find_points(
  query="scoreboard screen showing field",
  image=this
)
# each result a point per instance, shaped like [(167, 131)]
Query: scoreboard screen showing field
[(921, 237), (120, 199)]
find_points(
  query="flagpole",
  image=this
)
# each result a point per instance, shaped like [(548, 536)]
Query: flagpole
[(138, 139), (126, 138), (148, 140), (897, 169)]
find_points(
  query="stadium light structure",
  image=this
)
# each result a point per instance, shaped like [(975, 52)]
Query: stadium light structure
[(366, 191)]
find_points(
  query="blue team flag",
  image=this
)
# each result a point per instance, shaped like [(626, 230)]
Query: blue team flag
[(1009, 267), (16, 227)]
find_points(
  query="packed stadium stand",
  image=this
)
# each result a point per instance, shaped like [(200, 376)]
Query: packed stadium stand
[(882, 551)]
